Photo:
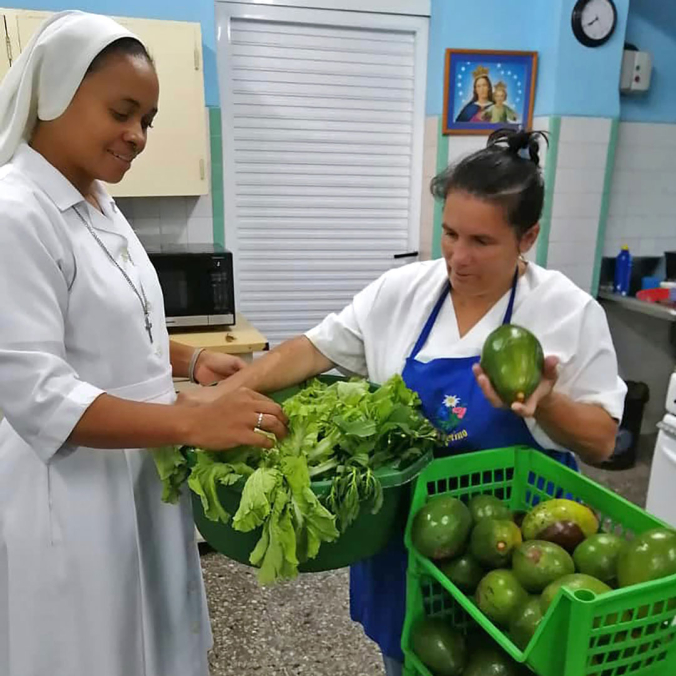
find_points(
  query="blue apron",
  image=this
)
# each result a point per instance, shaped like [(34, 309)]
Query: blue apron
[(451, 399)]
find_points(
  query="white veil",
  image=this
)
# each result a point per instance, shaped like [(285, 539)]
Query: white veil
[(43, 80)]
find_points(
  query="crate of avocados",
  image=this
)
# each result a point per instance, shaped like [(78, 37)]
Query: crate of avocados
[(518, 564)]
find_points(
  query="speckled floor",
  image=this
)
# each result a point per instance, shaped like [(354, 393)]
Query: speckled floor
[(297, 629), (304, 628)]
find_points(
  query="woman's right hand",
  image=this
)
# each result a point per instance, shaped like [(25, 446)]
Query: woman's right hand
[(231, 420)]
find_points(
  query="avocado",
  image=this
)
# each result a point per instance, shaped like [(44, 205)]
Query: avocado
[(499, 595), (512, 358), (598, 556), (525, 621), (439, 647), (493, 541), (488, 507), (565, 522), (440, 528), (537, 563), (575, 582), (491, 661), (465, 572), (650, 556)]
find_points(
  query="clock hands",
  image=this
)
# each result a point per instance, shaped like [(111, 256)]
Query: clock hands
[(591, 23)]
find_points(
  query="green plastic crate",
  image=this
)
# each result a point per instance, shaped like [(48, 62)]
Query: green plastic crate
[(628, 631), (365, 537)]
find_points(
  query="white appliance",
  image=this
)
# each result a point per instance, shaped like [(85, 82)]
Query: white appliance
[(662, 487)]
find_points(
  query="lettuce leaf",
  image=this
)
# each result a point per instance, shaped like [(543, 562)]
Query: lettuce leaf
[(172, 469), (258, 498), (206, 475)]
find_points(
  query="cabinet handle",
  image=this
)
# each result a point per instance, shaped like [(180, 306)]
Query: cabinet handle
[(197, 58), (202, 170)]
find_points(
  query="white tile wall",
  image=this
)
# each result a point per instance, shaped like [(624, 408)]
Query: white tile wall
[(429, 170), (458, 147), (578, 196), (171, 220), (642, 210)]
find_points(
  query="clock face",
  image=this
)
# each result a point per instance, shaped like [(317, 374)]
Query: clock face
[(594, 21)]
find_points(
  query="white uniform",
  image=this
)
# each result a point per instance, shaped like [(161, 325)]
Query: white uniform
[(376, 333), (98, 577)]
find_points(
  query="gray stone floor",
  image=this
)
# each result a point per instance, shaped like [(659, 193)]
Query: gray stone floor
[(296, 629), (304, 628)]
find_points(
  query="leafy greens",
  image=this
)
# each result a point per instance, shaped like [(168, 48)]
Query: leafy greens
[(341, 432)]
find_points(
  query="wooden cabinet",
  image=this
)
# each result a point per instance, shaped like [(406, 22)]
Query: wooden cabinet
[(5, 47), (175, 161)]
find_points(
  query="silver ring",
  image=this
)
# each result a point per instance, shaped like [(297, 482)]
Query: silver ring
[(259, 423)]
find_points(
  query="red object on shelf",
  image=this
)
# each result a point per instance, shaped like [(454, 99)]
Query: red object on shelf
[(653, 295)]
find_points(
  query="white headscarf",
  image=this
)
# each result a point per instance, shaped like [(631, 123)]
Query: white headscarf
[(43, 80)]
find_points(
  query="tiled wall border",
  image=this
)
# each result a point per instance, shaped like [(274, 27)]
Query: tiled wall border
[(216, 144), (605, 205), (550, 182), (442, 163)]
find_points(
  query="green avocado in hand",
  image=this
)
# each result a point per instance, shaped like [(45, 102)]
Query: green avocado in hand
[(513, 360)]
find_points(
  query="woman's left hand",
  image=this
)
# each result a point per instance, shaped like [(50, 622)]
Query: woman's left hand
[(213, 367), (528, 408)]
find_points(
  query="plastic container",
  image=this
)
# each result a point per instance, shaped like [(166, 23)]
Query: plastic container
[(628, 631), (624, 456), (364, 538), (622, 272), (650, 283)]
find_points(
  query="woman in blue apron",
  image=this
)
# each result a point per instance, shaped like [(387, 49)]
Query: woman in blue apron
[(428, 321), (378, 585)]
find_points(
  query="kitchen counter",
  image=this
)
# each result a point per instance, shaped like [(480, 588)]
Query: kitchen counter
[(644, 335), (658, 310), (241, 339)]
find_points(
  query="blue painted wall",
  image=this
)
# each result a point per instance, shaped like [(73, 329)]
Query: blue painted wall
[(588, 80), (652, 28), (201, 11), (572, 79), (479, 24)]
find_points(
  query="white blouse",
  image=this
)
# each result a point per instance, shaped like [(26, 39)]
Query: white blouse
[(375, 334)]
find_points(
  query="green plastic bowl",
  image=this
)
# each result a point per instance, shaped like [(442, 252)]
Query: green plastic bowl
[(365, 537)]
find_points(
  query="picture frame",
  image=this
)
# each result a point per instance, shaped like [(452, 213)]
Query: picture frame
[(485, 90)]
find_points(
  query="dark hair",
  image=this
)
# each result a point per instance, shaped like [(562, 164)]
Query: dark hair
[(501, 174), (121, 47), (475, 96)]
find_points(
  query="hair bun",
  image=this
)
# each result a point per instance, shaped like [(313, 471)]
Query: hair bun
[(516, 141)]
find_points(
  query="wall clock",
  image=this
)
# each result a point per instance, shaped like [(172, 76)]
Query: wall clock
[(594, 21)]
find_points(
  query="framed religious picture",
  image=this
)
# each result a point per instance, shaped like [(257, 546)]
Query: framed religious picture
[(486, 90)]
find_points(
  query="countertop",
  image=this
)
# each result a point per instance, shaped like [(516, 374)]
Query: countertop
[(242, 338), (658, 310)]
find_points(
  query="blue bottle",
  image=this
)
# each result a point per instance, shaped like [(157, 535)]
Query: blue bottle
[(623, 264)]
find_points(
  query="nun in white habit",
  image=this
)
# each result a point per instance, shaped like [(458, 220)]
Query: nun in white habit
[(97, 575)]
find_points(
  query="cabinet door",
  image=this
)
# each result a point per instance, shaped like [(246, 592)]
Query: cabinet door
[(175, 159)]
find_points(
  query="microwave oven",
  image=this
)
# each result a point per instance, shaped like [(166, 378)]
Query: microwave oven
[(197, 284)]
